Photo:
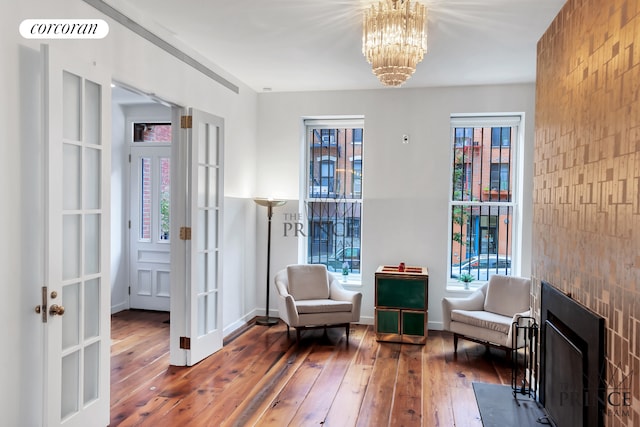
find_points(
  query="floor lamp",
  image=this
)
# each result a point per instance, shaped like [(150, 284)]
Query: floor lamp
[(270, 204)]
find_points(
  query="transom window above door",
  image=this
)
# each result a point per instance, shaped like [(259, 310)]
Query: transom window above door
[(150, 132)]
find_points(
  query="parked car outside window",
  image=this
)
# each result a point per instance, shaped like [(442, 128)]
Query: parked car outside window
[(350, 256), (482, 267)]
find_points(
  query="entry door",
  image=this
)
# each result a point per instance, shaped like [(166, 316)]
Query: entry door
[(76, 299), (149, 266), (197, 254)]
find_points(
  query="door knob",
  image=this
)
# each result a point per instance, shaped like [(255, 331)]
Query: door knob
[(56, 309)]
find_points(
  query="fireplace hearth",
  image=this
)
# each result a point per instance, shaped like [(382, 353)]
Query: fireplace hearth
[(572, 363)]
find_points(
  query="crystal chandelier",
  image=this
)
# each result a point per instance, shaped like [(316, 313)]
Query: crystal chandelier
[(394, 39)]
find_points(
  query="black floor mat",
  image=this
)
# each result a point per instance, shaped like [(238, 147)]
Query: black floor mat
[(498, 408)]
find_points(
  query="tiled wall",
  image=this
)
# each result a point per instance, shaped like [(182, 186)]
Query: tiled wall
[(587, 177)]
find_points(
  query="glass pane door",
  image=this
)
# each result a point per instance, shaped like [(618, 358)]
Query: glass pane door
[(77, 313)]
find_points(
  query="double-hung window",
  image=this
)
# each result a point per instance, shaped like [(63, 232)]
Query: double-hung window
[(483, 198), (333, 194)]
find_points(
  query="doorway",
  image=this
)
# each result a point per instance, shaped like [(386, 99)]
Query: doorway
[(150, 213), (142, 133), (170, 243)]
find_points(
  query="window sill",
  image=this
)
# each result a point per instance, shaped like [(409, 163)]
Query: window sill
[(354, 280), (459, 287)]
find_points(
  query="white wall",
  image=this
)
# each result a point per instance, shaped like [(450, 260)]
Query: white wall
[(405, 186), (134, 61)]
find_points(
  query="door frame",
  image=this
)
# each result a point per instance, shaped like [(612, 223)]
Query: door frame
[(180, 312)]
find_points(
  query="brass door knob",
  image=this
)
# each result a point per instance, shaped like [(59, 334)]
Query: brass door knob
[(56, 309)]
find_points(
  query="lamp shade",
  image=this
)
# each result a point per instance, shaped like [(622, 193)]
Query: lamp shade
[(269, 202)]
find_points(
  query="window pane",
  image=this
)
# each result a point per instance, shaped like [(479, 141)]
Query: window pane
[(481, 241), (334, 235), (71, 106), (152, 132), (92, 243), (92, 114), (145, 199), (91, 371), (481, 202), (334, 192), (92, 175), (72, 176), (165, 198), (357, 178), (357, 136)]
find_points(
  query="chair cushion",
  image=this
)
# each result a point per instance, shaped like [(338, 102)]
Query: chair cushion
[(322, 306), (507, 295), (308, 281), (483, 319)]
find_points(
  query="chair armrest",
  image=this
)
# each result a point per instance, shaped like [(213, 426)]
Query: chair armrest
[(287, 310), (474, 302), (286, 302), (337, 292)]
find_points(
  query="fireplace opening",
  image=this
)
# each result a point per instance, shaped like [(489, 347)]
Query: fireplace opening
[(565, 364), (572, 365)]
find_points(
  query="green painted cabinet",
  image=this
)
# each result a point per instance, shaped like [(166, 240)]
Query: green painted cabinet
[(401, 300)]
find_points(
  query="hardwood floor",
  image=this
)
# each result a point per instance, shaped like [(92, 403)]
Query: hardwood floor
[(263, 378)]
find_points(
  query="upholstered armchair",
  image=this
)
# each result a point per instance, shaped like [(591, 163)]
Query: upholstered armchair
[(309, 297), (487, 315)]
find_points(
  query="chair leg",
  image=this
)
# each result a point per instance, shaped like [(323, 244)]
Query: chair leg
[(347, 328), (455, 343)]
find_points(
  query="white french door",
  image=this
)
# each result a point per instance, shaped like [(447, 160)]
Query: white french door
[(149, 265), (76, 299), (197, 254)]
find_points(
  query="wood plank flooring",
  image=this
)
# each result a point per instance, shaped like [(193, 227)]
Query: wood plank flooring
[(263, 378)]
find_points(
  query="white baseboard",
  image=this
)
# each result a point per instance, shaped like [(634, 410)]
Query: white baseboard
[(436, 326), (119, 307), (234, 326), (366, 320)]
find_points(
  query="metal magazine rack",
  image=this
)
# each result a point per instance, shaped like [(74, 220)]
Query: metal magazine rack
[(524, 361)]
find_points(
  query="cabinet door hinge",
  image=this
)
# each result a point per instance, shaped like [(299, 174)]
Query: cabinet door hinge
[(185, 233), (185, 343), (186, 122)]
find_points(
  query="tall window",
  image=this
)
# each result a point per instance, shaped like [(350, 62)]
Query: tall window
[(333, 194), (483, 199)]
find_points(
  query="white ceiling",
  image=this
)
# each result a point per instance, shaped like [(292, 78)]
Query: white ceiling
[(308, 45)]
